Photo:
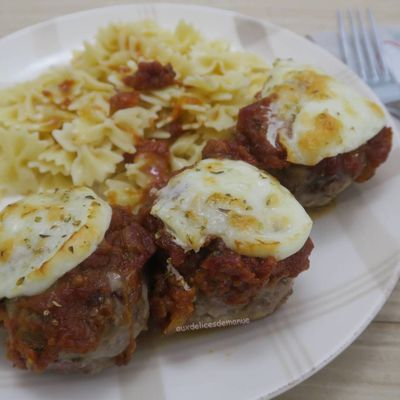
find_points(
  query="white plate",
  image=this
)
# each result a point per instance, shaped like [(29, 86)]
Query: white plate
[(354, 266)]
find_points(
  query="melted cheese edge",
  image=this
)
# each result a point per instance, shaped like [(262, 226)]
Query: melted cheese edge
[(247, 208), (45, 235), (315, 116)]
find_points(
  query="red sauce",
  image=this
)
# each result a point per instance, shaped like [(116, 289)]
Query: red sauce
[(227, 149), (123, 100), (218, 271), (175, 129), (155, 156), (66, 86), (230, 276), (361, 163), (157, 166), (170, 303), (376, 152), (151, 76), (251, 131), (291, 266)]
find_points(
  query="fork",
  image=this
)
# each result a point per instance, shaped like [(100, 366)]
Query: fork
[(362, 50)]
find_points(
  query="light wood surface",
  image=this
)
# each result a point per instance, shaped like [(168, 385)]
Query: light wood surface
[(370, 368)]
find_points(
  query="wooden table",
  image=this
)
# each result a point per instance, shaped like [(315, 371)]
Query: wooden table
[(370, 368)]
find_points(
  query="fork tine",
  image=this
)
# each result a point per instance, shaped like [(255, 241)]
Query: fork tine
[(343, 39), (378, 45), (357, 47), (369, 50)]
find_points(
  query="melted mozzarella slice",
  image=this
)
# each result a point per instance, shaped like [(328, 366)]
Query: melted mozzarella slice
[(315, 116), (248, 209), (43, 236)]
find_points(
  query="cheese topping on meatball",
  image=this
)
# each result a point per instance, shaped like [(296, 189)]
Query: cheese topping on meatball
[(247, 208), (314, 116), (45, 235)]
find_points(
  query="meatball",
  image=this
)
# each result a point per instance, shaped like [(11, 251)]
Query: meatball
[(230, 242), (91, 316), (314, 133), (313, 185), (218, 284)]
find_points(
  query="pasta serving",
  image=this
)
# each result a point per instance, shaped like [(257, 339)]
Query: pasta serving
[(63, 129)]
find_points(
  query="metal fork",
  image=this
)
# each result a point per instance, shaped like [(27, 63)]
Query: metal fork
[(362, 50)]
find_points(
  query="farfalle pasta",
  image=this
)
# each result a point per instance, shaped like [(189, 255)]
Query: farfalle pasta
[(82, 124), (17, 149)]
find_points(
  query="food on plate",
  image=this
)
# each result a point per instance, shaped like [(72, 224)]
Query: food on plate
[(108, 154), (73, 296), (83, 123), (315, 134), (231, 241)]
